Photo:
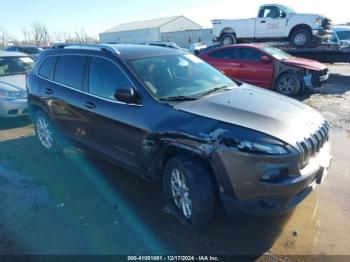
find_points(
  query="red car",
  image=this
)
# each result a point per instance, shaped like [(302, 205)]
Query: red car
[(268, 67)]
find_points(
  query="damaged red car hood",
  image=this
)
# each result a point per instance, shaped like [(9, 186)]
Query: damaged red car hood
[(258, 109), (305, 63)]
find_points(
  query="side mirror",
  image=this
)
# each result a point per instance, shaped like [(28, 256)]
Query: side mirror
[(126, 95), (265, 59)]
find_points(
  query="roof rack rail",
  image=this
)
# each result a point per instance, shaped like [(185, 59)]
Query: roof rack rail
[(107, 48)]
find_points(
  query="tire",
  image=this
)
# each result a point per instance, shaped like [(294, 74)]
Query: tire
[(45, 132), (228, 39), (301, 38), (197, 195), (288, 84)]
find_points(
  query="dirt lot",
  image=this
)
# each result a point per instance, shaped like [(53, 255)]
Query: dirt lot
[(72, 204)]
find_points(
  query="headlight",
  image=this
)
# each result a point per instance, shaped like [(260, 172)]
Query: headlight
[(262, 148), (318, 21), (13, 94)]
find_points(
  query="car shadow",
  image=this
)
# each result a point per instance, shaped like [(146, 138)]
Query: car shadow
[(115, 211), (9, 123)]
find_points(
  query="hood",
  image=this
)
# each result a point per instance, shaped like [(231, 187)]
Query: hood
[(255, 108), (306, 15), (13, 83), (305, 63)]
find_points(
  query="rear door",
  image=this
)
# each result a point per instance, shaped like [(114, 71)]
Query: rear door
[(224, 60), (65, 96)]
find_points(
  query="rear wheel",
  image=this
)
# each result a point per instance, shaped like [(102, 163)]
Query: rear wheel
[(228, 39), (45, 132), (189, 191), (288, 84)]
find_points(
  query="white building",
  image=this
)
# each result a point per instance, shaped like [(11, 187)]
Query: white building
[(148, 31)]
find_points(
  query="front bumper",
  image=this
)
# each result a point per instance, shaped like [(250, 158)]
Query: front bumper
[(253, 196), (13, 108), (322, 33), (315, 78)]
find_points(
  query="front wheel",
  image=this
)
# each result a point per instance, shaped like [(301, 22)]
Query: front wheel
[(300, 38), (189, 191), (288, 84)]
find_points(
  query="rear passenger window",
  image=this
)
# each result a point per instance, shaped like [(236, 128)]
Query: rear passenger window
[(227, 53), (47, 67), (105, 77), (70, 70)]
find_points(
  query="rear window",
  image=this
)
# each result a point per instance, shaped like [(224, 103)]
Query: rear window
[(31, 50), (47, 68), (69, 71), (15, 65)]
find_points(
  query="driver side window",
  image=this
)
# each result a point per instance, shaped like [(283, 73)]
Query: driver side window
[(105, 78), (272, 12)]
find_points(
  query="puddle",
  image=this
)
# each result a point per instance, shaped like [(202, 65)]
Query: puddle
[(322, 220)]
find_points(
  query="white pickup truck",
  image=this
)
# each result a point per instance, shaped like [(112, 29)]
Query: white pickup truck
[(274, 23)]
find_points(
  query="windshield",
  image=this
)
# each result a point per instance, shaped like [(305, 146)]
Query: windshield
[(179, 75), (344, 35), (288, 9), (31, 50), (276, 53), (15, 65)]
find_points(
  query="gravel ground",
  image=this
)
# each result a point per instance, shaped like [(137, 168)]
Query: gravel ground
[(333, 100), (72, 204)]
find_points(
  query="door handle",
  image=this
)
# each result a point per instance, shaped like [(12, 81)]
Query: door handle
[(48, 91), (89, 105), (263, 22)]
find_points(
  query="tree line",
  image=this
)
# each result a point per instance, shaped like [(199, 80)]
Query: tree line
[(39, 35)]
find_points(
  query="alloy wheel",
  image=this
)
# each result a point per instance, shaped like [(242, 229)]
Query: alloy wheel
[(288, 85), (44, 132), (181, 193)]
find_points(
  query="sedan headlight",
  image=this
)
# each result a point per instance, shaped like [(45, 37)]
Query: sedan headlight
[(13, 94), (262, 148)]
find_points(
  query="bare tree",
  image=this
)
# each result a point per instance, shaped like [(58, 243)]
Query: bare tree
[(5, 38), (27, 35), (82, 36), (40, 33)]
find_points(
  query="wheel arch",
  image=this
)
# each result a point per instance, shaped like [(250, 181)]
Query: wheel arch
[(299, 26), (228, 30), (170, 151)]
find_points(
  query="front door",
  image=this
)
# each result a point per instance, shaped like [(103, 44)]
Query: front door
[(271, 23), (251, 69), (113, 129)]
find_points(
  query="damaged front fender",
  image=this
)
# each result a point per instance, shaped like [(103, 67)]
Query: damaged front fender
[(159, 147)]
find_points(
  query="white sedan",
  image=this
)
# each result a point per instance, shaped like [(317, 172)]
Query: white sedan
[(13, 93)]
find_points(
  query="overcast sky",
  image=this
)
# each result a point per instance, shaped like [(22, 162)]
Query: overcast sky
[(98, 15)]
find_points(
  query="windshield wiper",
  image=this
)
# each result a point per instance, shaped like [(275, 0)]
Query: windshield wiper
[(178, 98), (215, 89)]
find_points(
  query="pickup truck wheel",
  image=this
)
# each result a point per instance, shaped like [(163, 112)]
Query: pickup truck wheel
[(300, 38), (189, 191), (288, 84), (228, 39)]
